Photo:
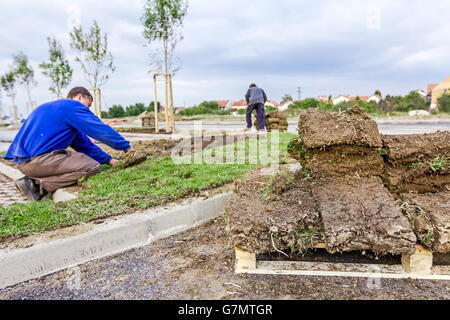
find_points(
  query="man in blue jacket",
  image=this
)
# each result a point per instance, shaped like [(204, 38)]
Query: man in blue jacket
[(256, 97), (40, 146)]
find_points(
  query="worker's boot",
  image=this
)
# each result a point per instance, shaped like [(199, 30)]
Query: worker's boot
[(28, 188)]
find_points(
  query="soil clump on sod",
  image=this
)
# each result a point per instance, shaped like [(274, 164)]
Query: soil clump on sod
[(275, 120), (269, 213), (355, 203), (417, 163), (361, 214)]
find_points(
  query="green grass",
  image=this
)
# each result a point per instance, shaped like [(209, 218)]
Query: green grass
[(438, 163), (154, 182)]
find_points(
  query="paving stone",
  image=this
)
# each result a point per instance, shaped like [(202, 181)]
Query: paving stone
[(9, 193)]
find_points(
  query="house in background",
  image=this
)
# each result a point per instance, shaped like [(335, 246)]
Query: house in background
[(272, 104), (178, 109), (341, 98), (375, 98), (362, 98), (238, 105), (285, 106), (223, 104), (422, 93), (323, 98), (430, 88), (439, 91)]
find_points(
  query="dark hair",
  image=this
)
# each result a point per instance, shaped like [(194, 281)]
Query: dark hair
[(79, 90), (253, 85)]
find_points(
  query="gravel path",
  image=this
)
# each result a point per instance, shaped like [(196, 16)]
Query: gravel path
[(198, 264)]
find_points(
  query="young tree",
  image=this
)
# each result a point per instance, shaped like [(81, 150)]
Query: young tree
[(58, 68), (286, 98), (116, 111), (162, 20), (94, 58), (25, 73), (8, 82)]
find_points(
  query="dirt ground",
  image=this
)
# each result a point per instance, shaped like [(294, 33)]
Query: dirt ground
[(361, 214), (199, 265), (143, 130), (319, 129), (431, 215), (417, 163), (268, 214)]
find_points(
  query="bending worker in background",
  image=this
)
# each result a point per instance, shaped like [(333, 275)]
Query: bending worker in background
[(40, 146), (256, 98)]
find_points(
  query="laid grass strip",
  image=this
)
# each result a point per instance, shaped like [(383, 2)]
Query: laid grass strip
[(154, 182)]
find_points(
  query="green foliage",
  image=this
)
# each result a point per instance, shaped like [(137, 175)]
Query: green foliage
[(135, 110), (24, 72), (206, 107), (305, 104), (116, 111), (162, 20), (438, 163), (267, 109), (444, 103), (369, 107), (414, 101), (8, 83), (105, 115), (151, 106), (286, 98), (58, 68), (94, 58), (154, 182), (242, 111)]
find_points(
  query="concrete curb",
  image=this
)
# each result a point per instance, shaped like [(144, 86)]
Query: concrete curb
[(59, 196), (122, 234)]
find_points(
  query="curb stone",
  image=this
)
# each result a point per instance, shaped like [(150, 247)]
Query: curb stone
[(113, 237)]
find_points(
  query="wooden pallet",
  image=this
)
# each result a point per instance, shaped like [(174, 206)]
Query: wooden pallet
[(416, 266)]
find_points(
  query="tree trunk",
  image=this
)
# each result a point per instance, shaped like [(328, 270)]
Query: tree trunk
[(166, 101)]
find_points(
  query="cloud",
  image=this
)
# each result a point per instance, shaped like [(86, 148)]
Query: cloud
[(325, 46)]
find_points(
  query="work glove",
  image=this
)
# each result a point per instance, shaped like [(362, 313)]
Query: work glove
[(130, 153)]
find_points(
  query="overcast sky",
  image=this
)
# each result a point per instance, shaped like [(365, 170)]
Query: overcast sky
[(325, 47)]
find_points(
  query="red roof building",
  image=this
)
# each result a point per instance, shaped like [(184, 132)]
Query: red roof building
[(239, 105), (222, 103), (430, 88)]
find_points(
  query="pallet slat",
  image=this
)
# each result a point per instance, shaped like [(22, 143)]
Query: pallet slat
[(416, 266)]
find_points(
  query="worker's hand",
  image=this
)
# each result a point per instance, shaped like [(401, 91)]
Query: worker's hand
[(113, 162), (130, 152)]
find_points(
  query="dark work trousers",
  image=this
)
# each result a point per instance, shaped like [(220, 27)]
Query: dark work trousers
[(260, 115), (59, 169)]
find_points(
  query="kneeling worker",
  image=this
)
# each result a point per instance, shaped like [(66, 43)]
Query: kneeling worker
[(40, 146)]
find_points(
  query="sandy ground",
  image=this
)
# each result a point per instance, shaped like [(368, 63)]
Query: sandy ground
[(199, 264)]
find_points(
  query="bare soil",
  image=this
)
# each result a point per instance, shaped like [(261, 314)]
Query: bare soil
[(431, 215), (268, 214), (361, 214), (199, 265), (407, 149), (344, 160), (412, 162), (320, 129), (143, 130)]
